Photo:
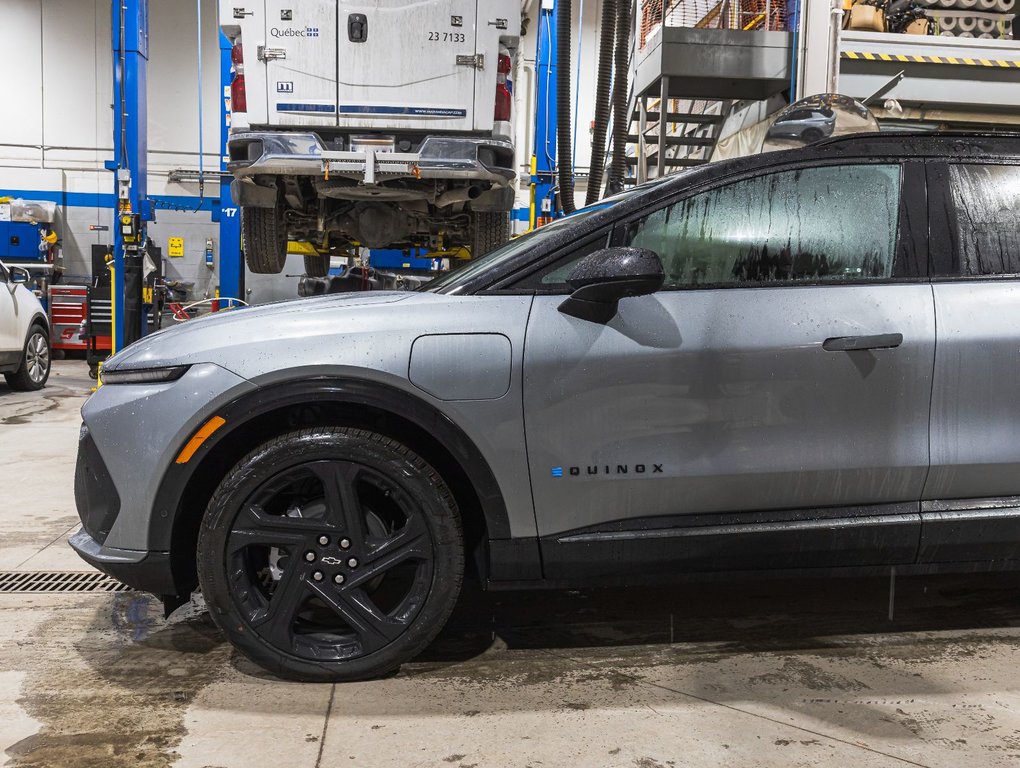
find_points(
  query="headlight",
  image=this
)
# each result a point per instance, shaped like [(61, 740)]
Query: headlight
[(143, 375)]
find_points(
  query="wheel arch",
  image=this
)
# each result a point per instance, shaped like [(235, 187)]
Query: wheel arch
[(260, 415), (40, 319)]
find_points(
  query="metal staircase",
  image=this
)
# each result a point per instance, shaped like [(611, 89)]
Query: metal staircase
[(684, 137), (691, 61)]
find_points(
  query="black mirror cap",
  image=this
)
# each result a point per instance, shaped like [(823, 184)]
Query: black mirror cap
[(637, 271), (602, 278)]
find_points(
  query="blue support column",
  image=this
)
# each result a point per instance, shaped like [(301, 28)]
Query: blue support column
[(130, 28), (544, 172), (231, 265)]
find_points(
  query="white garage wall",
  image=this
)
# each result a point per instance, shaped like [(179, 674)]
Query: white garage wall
[(56, 120)]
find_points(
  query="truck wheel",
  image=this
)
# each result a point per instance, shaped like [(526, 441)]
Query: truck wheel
[(265, 240), (489, 230), (316, 266)]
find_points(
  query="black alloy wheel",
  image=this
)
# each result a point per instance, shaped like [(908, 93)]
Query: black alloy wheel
[(331, 554)]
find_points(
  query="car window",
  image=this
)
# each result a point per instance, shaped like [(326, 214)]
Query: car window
[(3, 274), (986, 199), (555, 277), (836, 223)]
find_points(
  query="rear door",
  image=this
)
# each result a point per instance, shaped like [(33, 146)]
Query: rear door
[(972, 496), (299, 56), (407, 63)]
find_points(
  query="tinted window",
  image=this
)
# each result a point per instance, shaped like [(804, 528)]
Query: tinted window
[(817, 224), (987, 198)]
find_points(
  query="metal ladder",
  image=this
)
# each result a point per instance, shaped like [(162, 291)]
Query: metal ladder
[(685, 137)]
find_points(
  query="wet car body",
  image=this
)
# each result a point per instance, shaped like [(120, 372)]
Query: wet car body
[(787, 412)]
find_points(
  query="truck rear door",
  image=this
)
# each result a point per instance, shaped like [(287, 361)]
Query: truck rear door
[(407, 63), (299, 54)]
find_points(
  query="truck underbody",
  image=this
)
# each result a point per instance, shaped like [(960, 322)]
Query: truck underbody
[(340, 192)]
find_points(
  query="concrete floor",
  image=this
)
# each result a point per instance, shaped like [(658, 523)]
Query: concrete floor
[(766, 674)]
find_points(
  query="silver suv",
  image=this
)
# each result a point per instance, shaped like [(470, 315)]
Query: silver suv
[(800, 360)]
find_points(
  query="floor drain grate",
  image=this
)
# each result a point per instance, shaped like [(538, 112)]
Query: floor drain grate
[(58, 582)]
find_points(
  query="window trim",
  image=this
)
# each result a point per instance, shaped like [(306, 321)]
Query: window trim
[(510, 286), (946, 257)]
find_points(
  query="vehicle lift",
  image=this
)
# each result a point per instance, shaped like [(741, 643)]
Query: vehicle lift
[(134, 208), (544, 207)]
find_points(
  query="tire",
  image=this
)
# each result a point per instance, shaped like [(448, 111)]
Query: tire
[(489, 230), (811, 135), (265, 240), (316, 266), (375, 504), (35, 362)]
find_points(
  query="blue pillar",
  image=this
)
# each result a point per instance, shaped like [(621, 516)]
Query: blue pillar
[(231, 265), (130, 29), (545, 112)]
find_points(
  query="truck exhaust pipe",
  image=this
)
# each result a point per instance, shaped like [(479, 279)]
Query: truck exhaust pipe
[(460, 195)]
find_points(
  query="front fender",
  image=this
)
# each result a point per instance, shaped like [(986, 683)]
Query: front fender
[(250, 407)]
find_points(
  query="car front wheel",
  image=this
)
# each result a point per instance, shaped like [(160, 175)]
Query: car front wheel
[(35, 362), (331, 554)]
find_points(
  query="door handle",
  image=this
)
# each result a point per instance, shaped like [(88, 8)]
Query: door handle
[(852, 343)]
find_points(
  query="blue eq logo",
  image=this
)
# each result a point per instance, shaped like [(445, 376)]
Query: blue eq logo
[(557, 471)]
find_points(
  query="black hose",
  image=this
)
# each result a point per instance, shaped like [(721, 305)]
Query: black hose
[(563, 155), (621, 120), (602, 105)]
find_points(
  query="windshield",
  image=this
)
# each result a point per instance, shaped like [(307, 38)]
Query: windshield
[(453, 281)]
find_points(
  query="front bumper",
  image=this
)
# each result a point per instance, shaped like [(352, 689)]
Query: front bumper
[(304, 154), (145, 571), (130, 437)]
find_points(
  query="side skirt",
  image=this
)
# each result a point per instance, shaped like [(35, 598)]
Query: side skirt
[(970, 529), (959, 536), (886, 534)]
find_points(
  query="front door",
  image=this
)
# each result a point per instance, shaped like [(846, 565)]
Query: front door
[(767, 408)]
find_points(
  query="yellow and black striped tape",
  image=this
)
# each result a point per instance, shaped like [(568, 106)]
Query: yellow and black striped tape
[(914, 59)]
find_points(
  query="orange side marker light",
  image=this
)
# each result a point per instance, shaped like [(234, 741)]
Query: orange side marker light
[(200, 437)]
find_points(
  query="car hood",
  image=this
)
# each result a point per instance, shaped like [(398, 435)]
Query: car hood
[(198, 340)]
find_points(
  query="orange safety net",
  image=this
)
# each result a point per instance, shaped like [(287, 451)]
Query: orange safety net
[(748, 15)]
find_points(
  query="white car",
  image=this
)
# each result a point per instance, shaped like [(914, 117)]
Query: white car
[(24, 333)]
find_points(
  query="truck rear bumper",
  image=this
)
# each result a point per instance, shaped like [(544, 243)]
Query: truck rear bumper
[(304, 154)]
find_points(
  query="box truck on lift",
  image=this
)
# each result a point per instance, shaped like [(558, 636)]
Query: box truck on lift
[(375, 123)]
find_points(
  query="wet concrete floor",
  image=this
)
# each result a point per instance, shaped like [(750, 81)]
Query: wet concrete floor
[(782, 673)]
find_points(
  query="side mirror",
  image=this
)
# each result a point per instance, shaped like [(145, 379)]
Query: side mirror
[(19, 275), (602, 278)]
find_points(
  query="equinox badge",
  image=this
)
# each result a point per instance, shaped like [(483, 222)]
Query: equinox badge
[(606, 469)]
